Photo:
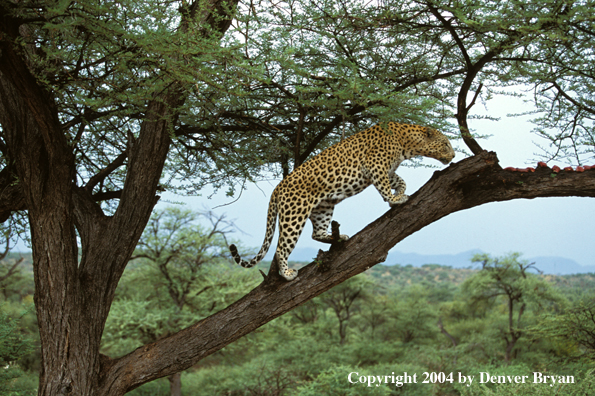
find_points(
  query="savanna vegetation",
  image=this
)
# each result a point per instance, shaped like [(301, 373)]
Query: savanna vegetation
[(104, 105), (499, 316)]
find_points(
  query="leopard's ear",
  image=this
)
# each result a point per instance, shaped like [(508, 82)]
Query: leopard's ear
[(430, 132)]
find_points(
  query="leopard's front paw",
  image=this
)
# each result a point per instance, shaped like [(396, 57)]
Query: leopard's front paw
[(289, 274), (400, 200)]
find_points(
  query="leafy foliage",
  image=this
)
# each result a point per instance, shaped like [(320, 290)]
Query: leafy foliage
[(180, 263), (393, 326), (574, 328), (290, 78), (15, 345)]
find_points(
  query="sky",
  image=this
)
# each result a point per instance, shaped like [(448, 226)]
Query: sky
[(560, 227), (539, 227)]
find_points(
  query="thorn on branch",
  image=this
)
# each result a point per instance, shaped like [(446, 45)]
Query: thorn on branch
[(336, 235), (337, 242)]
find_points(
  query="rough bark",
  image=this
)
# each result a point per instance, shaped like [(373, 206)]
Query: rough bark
[(72, 298)]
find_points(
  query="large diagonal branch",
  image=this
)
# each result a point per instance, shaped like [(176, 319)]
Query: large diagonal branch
[(471, 182)]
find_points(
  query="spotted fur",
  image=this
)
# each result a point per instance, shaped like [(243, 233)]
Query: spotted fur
[(344, 169)]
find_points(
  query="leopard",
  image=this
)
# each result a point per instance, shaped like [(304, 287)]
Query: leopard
[(311, 191)]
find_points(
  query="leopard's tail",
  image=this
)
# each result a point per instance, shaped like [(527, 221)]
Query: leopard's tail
[(271, 220)]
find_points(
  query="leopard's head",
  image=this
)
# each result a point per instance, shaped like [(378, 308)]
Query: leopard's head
[(434, 144)]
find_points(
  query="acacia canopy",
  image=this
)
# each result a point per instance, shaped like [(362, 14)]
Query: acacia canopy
[(103, 105)]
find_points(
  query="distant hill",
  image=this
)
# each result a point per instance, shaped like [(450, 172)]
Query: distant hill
[(550, 265), (560, 266), (460, 260), (547, 264)]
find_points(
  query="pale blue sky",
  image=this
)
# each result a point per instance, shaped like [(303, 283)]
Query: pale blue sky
[(540, 227)]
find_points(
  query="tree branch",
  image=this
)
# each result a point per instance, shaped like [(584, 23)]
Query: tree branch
[(573, 101), (105, 172), (326, 131), (471, 182), (446, 333), (11, 270), (454, 35)]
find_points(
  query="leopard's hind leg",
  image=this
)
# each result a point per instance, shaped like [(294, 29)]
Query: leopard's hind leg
[(321, 218), (292, 218)]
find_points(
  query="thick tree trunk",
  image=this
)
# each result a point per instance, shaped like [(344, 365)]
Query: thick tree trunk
[(45, 167), (73, 296)]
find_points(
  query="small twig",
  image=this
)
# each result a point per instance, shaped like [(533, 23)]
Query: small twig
[(11, 270), (475, 97), (337, 242)]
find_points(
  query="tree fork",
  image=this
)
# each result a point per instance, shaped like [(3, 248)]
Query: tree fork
[(471, 182), (73, 296)]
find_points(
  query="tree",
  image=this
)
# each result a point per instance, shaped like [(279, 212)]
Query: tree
[(104, 105), (178, 277), (342, 300), (509, 279), (414, 318), (374, 313), (88, 49), (180, 251), (576, 326)]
